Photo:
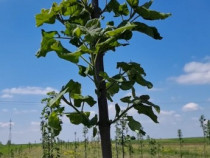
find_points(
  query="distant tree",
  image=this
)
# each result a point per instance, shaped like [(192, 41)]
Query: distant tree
[(180, 141), (153, 146), (208, 130), (9, 142), (140, 138), (117, 138), (85, 132), (86, 26), (203, 126), (75, 145), (49, 134)]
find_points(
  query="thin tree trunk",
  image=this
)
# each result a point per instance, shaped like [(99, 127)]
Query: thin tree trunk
[(104, 123)]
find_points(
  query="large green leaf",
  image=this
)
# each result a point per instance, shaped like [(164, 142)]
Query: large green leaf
[(65, 54), (75, 118), (126, 85), (126, 99), (141, 81), (73, 10), (46, 16), (46, 43), (147, 110), (73, 87), (133, 3), (80, 19), (85, 49), (147, 4), (49, 44), (120, 30), (110, 44), (126, 35), (112, 88), (56, 100), (78, 118), (77, 32), (117, 109), (156, 107), (70, 27), (148, 30), (75, 41), (93, 121), (123, 9), (54, 122), (133, 124), (93, 24), (67, 8), (95, 130), (114, 6), (84, 71), (151, 14), (131, 66), (88, 99), (135, 74)]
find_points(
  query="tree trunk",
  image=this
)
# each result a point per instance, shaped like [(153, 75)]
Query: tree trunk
[(104, 123)]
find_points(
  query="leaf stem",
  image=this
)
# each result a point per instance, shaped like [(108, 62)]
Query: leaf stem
[(135, 18), (86, 61), (70, 104), (63, 38)]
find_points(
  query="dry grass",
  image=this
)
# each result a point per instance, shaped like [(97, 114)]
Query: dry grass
[(167, 149)]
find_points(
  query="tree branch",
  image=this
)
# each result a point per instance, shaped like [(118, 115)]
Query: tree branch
[(124, 112), (70, 104), (135, 18)]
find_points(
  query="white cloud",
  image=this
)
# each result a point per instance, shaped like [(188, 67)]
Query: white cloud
[(16, 111), (6, 124), (190, 107), (4, 110), (34, 123), (195, 73), (6, 96), (9, 92), (177, 115), (167, 113), (207, 58), (111, 108)]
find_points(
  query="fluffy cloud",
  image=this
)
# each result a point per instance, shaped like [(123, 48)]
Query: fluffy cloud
[(16, 111), (9, 92), (195, 73), (167, 113), (190, 107), (6, 96), (33, 123)]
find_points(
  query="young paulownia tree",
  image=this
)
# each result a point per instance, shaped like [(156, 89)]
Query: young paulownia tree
[(86, 26)]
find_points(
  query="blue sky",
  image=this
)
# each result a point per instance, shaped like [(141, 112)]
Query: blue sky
[(178, 66)]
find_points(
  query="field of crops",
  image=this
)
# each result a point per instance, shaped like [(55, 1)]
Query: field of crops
[(159, 148)]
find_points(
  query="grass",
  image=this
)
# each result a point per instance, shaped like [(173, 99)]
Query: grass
[(169, 148)]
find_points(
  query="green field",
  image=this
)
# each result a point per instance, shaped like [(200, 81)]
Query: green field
[(164, 148)]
